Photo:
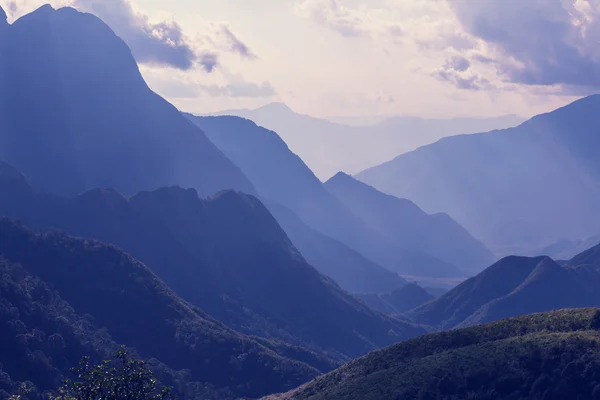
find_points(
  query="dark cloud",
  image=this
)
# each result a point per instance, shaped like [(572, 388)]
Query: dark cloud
[(209, 61), (235, 45), (537, 42), (160, 43), (455, 70)]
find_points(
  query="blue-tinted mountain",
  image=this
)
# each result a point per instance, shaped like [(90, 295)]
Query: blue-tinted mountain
[(75, 114), (517, 286), (409, 226), (281, 177), (62, 298), (352, 271), (397, 301), (226, 255), (518, 189), (554, 355), (565, 249), (328, 147)]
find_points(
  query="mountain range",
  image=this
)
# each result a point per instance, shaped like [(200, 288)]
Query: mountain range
[(410, 227), (226, 255), (72, 97), (282, 178), (328, 147), (542, 356), (64, 297), (518, 190), (516, 286)]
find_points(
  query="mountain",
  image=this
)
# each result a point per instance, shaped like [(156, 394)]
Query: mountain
[(402, 221), (543, 356), (64, 297), (281, 177), (397, 301), (75, 114), (565, 249), (518, 189), (226, 255), (352, 271), (516, 286), (329, 147)]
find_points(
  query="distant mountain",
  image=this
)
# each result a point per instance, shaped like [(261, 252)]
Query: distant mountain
[(75, 114), (397, 301), (329, 147), (517, 190), (282, 177), (517, 286), (352, 271), (410, 227), (542, 356), (567, 248), (63, 297), (226, 254)]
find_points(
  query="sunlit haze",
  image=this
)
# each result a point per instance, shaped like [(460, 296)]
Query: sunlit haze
[(329, 58)]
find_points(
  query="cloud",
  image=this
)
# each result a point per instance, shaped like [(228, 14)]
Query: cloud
[(234, 44), (159, 43), (334, 15), (536, 42)]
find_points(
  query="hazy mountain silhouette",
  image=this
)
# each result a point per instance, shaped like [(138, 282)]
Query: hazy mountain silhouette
[(226, 254), (282, 177), (519, 189), (329, 147), (567, 248), (541, 356), (397, 301), (410, 227), (75, 113), (347, 267), (123, 302), (517, 286)]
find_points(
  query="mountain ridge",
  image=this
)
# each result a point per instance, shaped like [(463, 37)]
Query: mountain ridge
[(66, 72)]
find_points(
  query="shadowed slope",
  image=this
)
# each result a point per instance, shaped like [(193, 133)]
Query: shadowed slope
[(227, 255), (550, 356), (138, 309), (75, 113)]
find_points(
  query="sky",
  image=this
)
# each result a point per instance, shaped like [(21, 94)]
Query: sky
[(428, 58)]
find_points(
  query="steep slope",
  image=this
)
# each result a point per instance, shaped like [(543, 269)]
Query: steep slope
[(397, 301), (227, 255), (75, 113), (353, 272), (588, 259), (123, 296), (513, 286), (542, 356), (329, 147), (282, 177), (517, 190), (401, 220)]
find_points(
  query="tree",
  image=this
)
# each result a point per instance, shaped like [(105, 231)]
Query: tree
[(122, 379)]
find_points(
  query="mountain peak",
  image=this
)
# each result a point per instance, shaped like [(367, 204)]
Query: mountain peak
[(277, 107), (341, 176)]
